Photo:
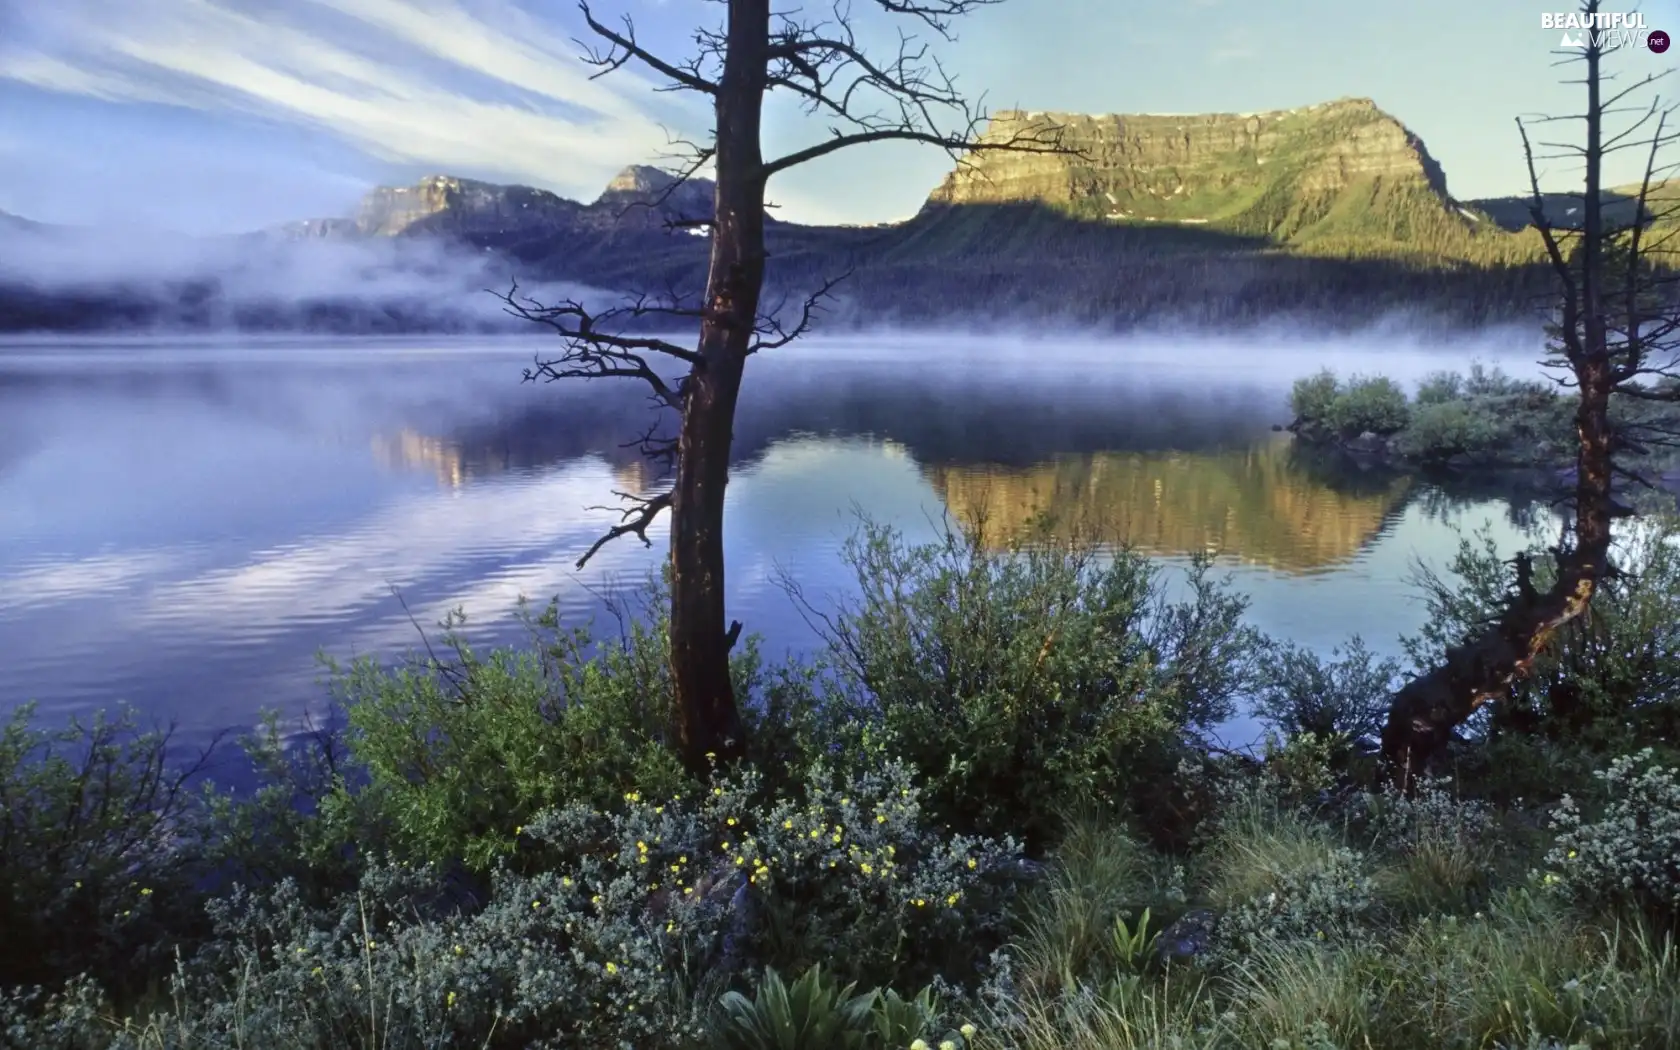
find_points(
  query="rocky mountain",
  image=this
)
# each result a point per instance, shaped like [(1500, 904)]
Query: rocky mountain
[(1343, 177), (487, 214), (1336, 210)]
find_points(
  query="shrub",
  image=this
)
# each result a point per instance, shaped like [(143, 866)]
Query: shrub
[(636, 922), (90, 876), (1631, 852), (1440, 849), (1032, 680), (1368, 403), (1276, 875), (1344, 697), (461, 748), (1311, 397), (1441, 430), (1440, 387)]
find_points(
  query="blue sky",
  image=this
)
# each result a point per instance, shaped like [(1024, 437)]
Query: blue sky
[(227, 115)]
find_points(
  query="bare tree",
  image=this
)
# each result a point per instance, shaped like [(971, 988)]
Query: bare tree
[(754, 52), (1617, 335)]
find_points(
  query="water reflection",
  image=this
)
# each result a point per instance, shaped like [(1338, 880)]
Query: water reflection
[(184, 528), (1261, 505)]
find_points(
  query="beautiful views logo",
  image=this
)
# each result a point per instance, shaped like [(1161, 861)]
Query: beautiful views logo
[(1606, 29)]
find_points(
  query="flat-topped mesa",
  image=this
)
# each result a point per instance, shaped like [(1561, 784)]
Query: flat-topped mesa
[(1274, 174), (445, 204)]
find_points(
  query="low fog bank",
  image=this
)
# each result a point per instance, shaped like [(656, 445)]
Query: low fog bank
[(63, 279), (67, 279)]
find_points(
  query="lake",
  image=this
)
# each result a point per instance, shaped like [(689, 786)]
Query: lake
[(184, 524)]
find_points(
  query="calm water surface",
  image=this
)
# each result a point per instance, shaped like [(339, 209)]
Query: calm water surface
[(185, 525)]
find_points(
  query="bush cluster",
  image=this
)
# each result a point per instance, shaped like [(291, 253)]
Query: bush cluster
[(946, 834)]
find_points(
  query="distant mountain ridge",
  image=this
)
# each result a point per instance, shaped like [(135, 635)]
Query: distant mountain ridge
[(1215, 218), (491, 214)]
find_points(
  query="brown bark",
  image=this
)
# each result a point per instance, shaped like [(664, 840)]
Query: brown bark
[(708, 721)]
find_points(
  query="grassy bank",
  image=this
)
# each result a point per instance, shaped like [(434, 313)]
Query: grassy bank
[(985, 817)]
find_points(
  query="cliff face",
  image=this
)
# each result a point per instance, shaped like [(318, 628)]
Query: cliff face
[(443, 204), (659, 191), (1339, 169)]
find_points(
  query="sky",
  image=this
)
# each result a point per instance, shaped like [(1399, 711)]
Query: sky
[(211, 116)]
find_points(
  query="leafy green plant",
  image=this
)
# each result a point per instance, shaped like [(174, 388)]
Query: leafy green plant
[(1027, 680), (1374, 404), (91, 878), (814, 1014), (1311, 397), (1630, 852), (461, 747), (1342, 697), (1133, 946)]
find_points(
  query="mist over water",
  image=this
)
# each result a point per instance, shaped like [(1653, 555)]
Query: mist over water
[(185, 523)]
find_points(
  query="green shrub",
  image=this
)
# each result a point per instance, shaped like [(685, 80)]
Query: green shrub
[(91, 879), (635, 923), (1032, 680), (1630, 852), (1439, 848), (461, 748), (1311, 397), (1374, 404), (1275, 874), (1441, 430), (1344, 697), (1439, 387)]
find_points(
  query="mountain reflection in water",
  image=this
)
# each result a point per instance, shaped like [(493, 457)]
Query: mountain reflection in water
[(185, 526)]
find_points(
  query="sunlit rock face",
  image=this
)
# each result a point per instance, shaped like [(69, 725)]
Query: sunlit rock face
[(444, 204), (1277, 174)]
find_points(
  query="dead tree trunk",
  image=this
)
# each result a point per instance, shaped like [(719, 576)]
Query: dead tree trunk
[(708, 720), (1425, 712), (815, 58)]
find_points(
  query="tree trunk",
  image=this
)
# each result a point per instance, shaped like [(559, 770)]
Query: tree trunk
[(708, 721), (1427, 709)]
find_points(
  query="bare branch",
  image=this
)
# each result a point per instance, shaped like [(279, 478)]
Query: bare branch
[(622, 47), (597, 352), (772, 333), (636, 519)]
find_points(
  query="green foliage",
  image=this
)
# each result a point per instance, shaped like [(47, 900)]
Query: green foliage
[(814, 1014), (1441, 849), (1344, 697), (1311, 397), (1028, 680), (1630, 852), (91, 878), (1481, 418), (1373, 404), (1099, 879), (460, 749)]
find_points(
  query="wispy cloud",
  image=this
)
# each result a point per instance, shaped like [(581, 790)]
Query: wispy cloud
[(486, 88)]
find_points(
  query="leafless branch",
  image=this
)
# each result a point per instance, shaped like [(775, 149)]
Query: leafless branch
[(635, 519), (622, 47)]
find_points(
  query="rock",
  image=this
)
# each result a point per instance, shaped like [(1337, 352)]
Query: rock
[(1295, 164), (1188, 938), (1367, 442)]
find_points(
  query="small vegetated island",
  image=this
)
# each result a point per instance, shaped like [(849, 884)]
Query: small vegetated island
[(1481, 421)]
